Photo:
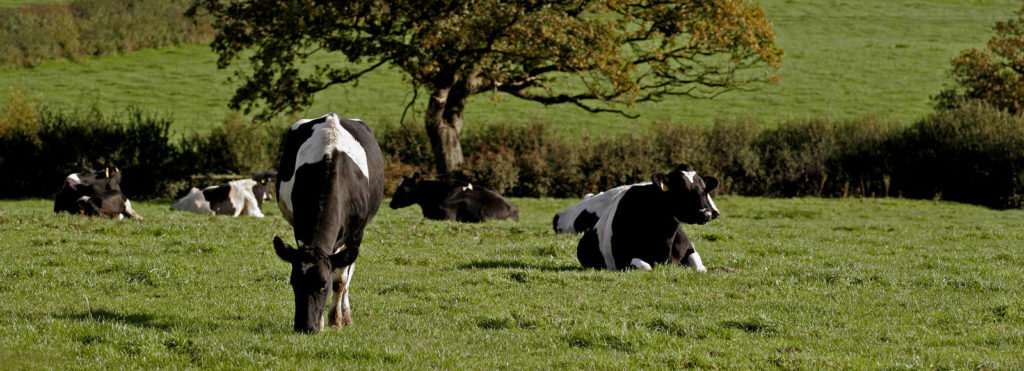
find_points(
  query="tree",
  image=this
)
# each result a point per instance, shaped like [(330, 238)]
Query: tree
[(994, 75), (600, 55)]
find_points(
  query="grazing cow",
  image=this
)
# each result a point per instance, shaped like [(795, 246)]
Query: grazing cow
[(330, 184), (94, 193), (638, 225), (452, 200), (239, 197)]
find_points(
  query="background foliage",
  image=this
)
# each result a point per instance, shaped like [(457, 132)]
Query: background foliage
[(34, 34)]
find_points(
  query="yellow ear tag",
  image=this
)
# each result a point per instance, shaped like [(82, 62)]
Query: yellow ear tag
[(107, 171), (664, 187)]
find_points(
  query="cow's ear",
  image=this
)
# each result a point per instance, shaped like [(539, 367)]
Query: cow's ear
[(415, 176), (710, 183), (661, 180), (285, 252)]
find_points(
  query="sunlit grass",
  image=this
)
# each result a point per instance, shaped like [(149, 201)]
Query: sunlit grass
[(879, 283)]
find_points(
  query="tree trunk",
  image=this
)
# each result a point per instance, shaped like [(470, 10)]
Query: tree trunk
[(444, 125)]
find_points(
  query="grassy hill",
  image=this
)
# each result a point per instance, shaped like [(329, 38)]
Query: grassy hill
[(844, 59), (841, 283)]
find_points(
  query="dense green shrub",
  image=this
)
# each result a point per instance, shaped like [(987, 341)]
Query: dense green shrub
[(973, 153), (35, 34)]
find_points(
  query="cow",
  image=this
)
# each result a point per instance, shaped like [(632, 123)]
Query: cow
[(94, 193), (239, 197), (639, 225), (330, 184), (448, 199)]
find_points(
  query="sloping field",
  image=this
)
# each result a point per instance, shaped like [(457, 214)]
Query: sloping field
[(844, 59), (841, 283)]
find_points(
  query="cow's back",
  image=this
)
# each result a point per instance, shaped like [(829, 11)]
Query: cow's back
[(331, 177)]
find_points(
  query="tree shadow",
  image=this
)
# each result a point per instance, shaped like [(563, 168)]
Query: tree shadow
[(501, 264), (141, 320)]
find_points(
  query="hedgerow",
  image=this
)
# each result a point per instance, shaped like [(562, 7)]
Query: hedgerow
[(973, 153)]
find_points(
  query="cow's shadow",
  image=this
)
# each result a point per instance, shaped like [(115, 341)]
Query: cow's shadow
[(504, 264), (141, 320)]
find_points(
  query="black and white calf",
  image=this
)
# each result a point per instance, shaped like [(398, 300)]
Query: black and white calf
[(638, 225), (329, 186), (94, 193), (239, 197), (452, 200)]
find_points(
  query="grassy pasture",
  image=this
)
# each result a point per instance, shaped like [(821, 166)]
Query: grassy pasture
[(21, 3), (844, 59), (840, 283)]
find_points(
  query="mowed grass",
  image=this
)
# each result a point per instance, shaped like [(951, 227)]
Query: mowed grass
[(843, 60), (840, 283), (21, 3)]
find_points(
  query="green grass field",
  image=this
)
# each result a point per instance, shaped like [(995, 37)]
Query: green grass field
[(843, 283), (844, 60), (21, 3)]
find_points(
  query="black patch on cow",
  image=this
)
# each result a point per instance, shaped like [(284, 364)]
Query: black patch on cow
[(585, 221), (588, 251), (294, 140), (220, 199), (554, 223)]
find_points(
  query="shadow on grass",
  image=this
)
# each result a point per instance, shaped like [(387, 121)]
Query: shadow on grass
[(102, 315), (501, 264)]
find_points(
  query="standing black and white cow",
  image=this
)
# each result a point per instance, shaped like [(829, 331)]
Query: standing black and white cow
[(329, 187), (446, 199), (94, 193), (239, 197), (638, 225)]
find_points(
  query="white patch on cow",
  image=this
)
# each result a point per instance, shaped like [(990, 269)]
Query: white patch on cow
[(693, 260), (689, 175), (468, 187), (712, 203), (597, 204), (327, 138), (637, 263), (342, 306), (73, 178), (604, 231), (83, 198), (242, 198), (306, 267), (194, 202)]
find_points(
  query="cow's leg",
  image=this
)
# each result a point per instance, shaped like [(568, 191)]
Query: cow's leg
[(588, 251), (341, 313), (684, 248), (638, 263)]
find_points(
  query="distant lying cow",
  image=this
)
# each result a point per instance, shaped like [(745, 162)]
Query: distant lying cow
[(94, 193), (239, 197), (638, 225), (452, 200)]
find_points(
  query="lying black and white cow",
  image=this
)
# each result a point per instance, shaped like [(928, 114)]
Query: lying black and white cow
[(94, 193), (638, 225), (452, 200), (330, 184), (239, 197)]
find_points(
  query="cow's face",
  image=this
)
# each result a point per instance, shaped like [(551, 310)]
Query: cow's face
[(689, 194), (405, 195), (310, 280), (262, 188)]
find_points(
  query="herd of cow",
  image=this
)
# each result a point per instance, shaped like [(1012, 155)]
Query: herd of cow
[(330, 185)]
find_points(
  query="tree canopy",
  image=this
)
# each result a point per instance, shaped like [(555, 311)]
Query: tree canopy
[(599, 55), (994, 75)]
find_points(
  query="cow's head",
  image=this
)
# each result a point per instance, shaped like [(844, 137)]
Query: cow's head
[(689, 194), (311, 283), (262, 188), (405, 195)]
